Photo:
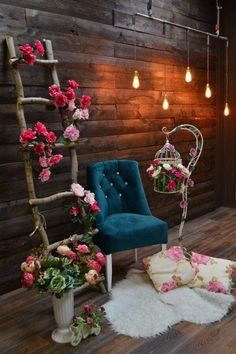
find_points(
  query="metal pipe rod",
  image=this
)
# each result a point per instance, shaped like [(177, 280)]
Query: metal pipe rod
[(182, 26)]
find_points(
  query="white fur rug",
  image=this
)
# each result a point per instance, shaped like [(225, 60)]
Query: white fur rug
[(137, 310)]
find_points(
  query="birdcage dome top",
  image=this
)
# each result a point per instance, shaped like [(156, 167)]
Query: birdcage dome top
[(168, 154)]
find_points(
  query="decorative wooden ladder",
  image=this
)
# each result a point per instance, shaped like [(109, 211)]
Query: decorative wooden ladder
[(34, 201)]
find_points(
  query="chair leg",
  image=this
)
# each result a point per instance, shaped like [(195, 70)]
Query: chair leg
[(136, 255), (163, 246), (109, 271)]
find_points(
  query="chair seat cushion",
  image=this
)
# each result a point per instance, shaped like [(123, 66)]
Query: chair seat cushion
[(124, 231)]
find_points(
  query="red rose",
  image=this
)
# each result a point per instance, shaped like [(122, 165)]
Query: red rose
[(39, 148), (171, 185), (73, 84), (101, 258), (39, 47), (156, 162), (70, 93), (85, 101), (27, 135), (60, 100), (51, 138), (74, 210), (94, 208), (54, 160), (88, 309), (71, 255), (26, 49), (95, 265), (53, 89), (29, 58), (27, 280), (40, 128)]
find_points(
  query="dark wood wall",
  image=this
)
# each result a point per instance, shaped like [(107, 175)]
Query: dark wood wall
[(94, 41)]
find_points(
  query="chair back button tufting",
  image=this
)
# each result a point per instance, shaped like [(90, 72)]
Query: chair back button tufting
[(111, 184), (105, 196), (126, 183), (103, 174), (117, 172), (120, 195)]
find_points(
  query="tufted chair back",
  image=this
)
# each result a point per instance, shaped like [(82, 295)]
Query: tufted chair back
[(118, 188)]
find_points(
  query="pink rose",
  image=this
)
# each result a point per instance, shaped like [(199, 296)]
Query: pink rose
[(171, 185), (88, 309), (77, 189), (30, 259), (168, 286), (27, 280), (40, 128), (150, 170), (26, 49), (94, 208), (85, 101), (39, 47), (71, 133), (89, 198), (43, 161), (199, 258), (183, 204), (71, 105), (63, 250), (175, 253), (73, 84), (60, 100), (193, 152), (29, 58), (85, 113), (39, 148), (45, 174), (89, 320), (92, 277), (83, 248), (101, 258), (54, 160), (216, 286), (179, 175), (77, 114), (95, 265), (74, 210), (70, 93), (190, 182), (71, 255), (27, 135), (53, 90), (156, 162), (51, 137)]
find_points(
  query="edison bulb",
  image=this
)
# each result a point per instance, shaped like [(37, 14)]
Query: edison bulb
[(165, 104), (136, 82), (188, 75), (226, 110), (208, 91)]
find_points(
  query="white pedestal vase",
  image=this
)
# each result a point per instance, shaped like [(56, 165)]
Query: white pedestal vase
[(63, 309)]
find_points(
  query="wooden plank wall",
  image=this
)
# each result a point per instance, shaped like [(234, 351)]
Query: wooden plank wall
[(94, 41)]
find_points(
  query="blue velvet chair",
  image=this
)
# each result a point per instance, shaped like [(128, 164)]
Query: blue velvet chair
[(125, 221)]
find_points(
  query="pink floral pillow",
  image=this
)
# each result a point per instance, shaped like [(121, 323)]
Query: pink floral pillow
[(169, 269), (213, 274)]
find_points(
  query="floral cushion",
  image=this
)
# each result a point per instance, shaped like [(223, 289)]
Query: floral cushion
[(214, 274), (169, 269)]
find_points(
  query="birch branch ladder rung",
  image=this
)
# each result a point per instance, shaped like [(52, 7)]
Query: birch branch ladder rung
[(17, 60), (35, 100), (51, 198)]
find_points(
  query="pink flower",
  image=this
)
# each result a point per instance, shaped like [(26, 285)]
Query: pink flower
[(30, 259), (77, 189), (101, 258), (39, 47), (43, 161), (199, 258), (45, 174), (190, 182), (169, 147), (83, 248), (71, 105), (54, 160), (95, 265), (85, 101), (53, 90), (73, 84), (40, 128), (27, 135), (71, 133), (179, 174), (150, 170), (60, 100), (156, 162), (63, 250), (168, 286), (171, 185), (94, 208), (71, 255), (175, 253), (74, 210), (89, 320), (51, 137), (216, 286), (85, 114), (183, 204), (92, 277), (27, 280), (29, 58), (26, 49), (77, 114), (193, 152), (70, 93), (89, 198), (28, 267), (39, 148), (88, 309)]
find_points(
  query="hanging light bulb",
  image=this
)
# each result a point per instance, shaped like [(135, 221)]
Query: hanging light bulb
[(208, 91), (188, 75), (136, 82), (226, 110), (165, 103)]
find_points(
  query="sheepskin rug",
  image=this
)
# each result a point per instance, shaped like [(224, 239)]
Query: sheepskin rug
[(137, 310)]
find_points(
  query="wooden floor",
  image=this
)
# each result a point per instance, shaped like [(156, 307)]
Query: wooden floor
[(26, 320)]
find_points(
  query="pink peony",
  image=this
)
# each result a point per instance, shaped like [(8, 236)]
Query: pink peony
[(27, 280), (156, 162), (83, 248), (85, 101), (43, 161), (71, 133), (60, 100), (40, 128), (39, 148), (74, 210), (73, 84), (71, 105), (26, 49), (39, 47), (88, 309), (54, 160), (101, 258), (92, 277), (193, 152), (77, 114), (168, 286), (51, 138), (63, 250), (216, 286), (183, 204), (95, 265), (171, 185), (200, 258), (89, 198), (29, 59), (71, 255), (175, 253), (94, 208), (53, 90), (70, 93), (85, 114), (27, 135), (45, 174), (77, 189)]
